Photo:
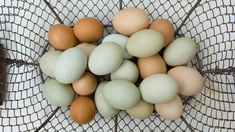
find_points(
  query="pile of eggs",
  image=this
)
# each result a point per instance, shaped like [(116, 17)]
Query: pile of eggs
[(74, 68)]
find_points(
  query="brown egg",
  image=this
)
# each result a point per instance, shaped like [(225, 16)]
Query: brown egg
[(88, 29), (86, 85), (165, 27), (61, 37), (83, 110), (151, 65)]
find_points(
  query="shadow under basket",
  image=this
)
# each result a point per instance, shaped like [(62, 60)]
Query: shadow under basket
[(23, 31)]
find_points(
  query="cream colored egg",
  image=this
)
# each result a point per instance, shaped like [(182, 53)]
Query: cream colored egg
[(70, 65), (180, 51), (158, 88), (102, 105), (87, 47), (142, 110), (127, 71), (47, 62), (145, 43), (171, 110), (190, 80), (105, 58)]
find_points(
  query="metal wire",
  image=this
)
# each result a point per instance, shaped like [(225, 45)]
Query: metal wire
[(23, 32)]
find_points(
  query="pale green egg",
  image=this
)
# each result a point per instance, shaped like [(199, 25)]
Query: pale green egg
[(180, 51), (121, 94), (58, 94), (158, 88), (70, 65), (103, 107)]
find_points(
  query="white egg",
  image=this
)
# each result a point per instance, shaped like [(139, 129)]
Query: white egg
[(121, 94), (119, 39), (70, 65), (58, 94), (127, 71), (180, 51), (105, 58), (103, 107), (158, 88), (47, 62)]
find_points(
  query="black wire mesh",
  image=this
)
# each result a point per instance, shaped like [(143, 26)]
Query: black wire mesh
[(24, 25)]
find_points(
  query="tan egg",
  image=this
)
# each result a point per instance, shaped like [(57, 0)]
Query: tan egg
[(151, 65), (190, 80), (86, 85), (88, 29), (130, 20), (87, 47), (61, 37), (165, 27), (142, 110), (171, 110), (82, 110)]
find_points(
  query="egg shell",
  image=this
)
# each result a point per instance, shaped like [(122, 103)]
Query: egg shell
[(121, 94), (61, 37), (82, 110), (130, 20), (70, 65), (165, 27), (190, 80), (86, 85), (180, 51), (88, 29), (171, 110), (145, 43), (48, 61), (53, 91), (103, 107), (158, 88), (151, 65), (126, 71), (87, 47), (119, 39), (105, 58), (141, 111)]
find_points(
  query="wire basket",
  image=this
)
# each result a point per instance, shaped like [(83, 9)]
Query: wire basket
[(24, 25)]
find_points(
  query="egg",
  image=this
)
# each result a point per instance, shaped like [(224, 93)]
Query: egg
[(61, 37), (119, 39), (82, 110), (145, 43), (88, 29), (58, 94), (70, 65), (86, 85), (171, 110), (126, 71), (151, 65), (47, 62), (102, 105), (87, 47), (190, 80), (130, 20), (165, 27), (105, 58), (141, 111), (121, 94), (158, 88), (180, 51)]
